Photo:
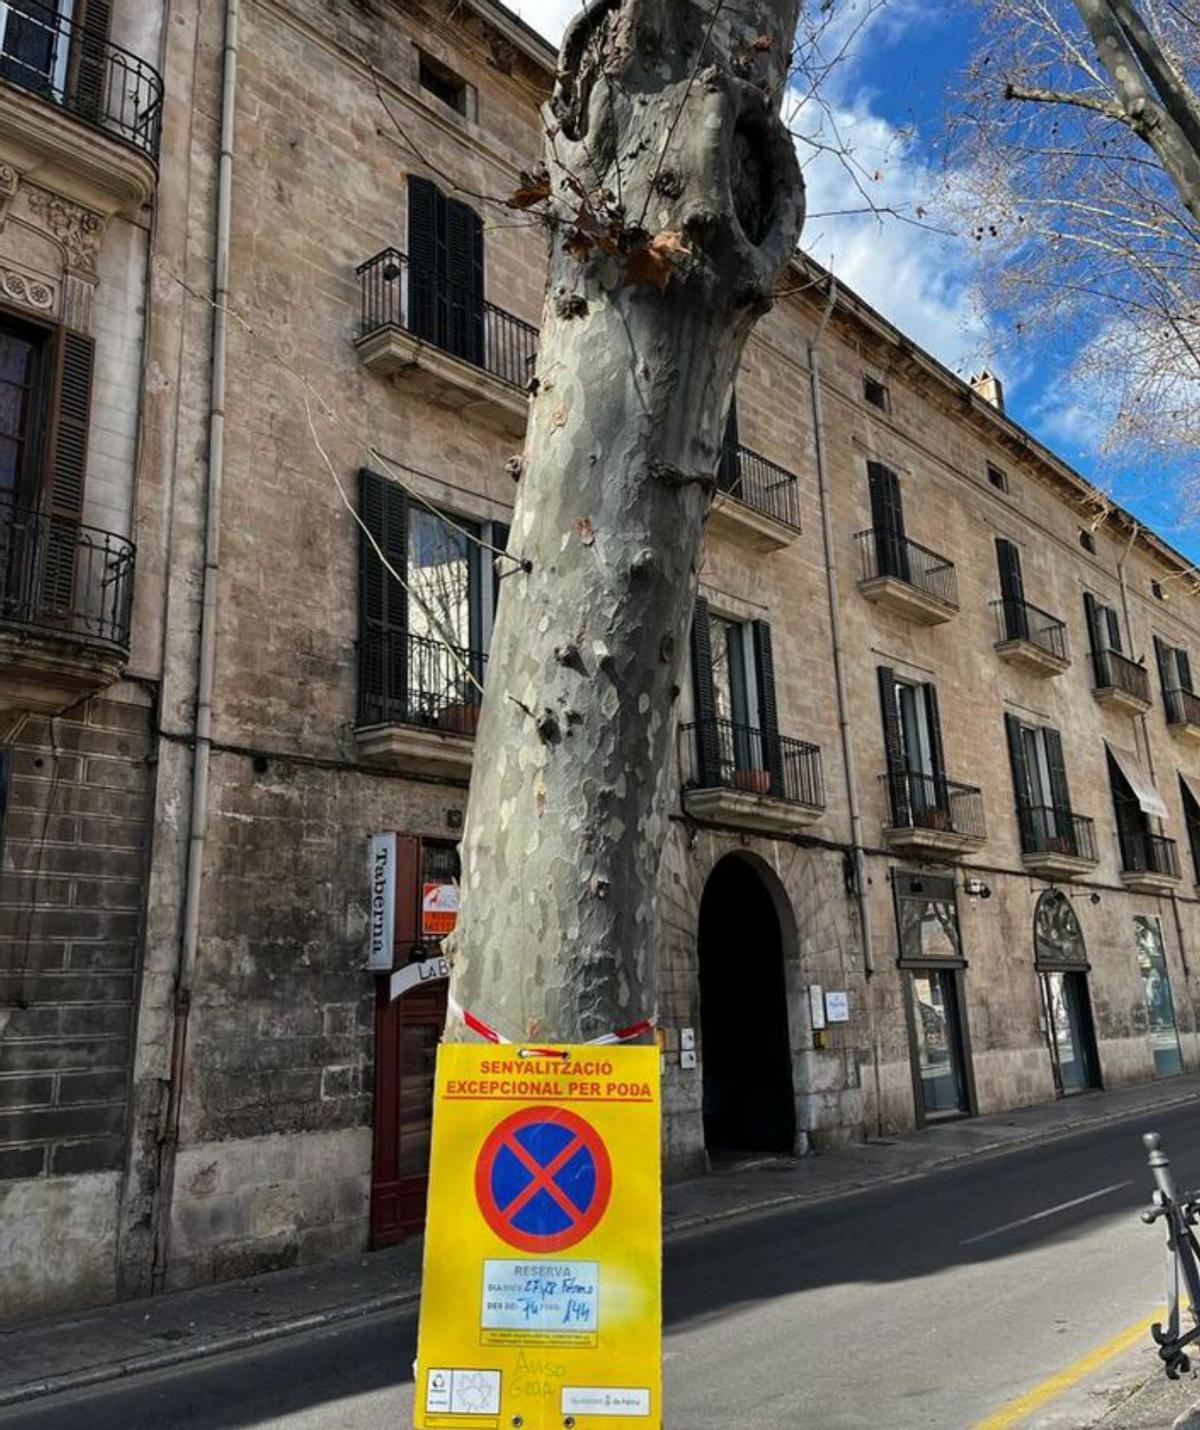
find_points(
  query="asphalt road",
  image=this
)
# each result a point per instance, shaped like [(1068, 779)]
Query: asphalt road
[(930, 1303)]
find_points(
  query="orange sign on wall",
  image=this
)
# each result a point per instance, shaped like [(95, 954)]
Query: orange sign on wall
[(439, 909)]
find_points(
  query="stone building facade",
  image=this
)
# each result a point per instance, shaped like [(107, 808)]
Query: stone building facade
[(905, 878), (81, 110)]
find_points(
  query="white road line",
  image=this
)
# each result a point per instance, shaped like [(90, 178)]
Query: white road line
[(1050, 1211)]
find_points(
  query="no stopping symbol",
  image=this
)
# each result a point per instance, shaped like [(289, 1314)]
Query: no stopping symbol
[(543, 1179)]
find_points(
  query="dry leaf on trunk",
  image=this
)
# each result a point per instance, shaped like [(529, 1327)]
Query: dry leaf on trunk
[(655, 261)]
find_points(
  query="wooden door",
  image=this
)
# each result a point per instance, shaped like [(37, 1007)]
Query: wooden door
[(407, 1032)]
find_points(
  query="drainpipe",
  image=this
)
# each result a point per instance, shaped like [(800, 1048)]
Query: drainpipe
[(839, 673), (202, 745)]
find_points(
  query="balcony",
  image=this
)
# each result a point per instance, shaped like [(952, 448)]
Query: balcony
[(930, 816), (1182, 709), (441, 341), (1056, 843), (78, 114), (66, 592), (418, 704), (757, 505), (1031, 638), (734, 774), (907, 579), (1121, 684), (1149, 862)]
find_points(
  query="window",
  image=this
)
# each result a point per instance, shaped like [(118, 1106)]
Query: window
[(422, 650), (1175, 676), (1103, 623), (916, 767), (736, 717), (23, 351), (1040, 785), (1156, 987), (5, 781), (445, 271), (876, 393), (998, 479), (442, 82), (1087, 541), (1156, 590), (34, 47), (927, 912)]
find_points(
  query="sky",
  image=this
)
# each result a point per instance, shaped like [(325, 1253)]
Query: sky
[(888, 98)]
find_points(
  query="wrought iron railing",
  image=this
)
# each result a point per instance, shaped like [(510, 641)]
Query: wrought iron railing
[(1182, 707), (397, 294), (1114, 671), (70, 64), (722, 754), (1047, 830), (760, 483), (60, 577), (1146, 853), (405, 679), (1022, 621), (921, 801), (882, 553)]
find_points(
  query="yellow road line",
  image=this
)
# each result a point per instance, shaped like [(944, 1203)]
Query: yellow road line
[(1017, 1410)]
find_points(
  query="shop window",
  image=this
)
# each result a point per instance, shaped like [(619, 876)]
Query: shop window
[(927, 913), (1156, 988)]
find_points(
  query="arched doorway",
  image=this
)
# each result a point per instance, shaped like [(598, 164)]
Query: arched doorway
[(1061, 959), (745, 1048)]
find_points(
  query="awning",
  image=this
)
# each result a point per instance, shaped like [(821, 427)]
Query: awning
[(1139, 781), (1193, 784)]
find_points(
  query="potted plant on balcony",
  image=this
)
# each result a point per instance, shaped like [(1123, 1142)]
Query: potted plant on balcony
[(932, 816), (753, 781), (460, 717)]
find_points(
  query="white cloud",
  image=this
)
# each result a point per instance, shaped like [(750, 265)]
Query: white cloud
[(548, 17)]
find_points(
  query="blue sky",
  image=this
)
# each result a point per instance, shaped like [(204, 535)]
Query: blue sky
[(888, 99)]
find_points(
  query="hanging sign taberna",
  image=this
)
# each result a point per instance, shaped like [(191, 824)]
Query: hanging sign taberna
[(541, 1304)]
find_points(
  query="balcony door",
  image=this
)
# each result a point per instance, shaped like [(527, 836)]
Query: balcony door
[(445, 275), (887, 521), (1040, 785), (1012, 590), (34, 46), (913, 745), (736, 715)]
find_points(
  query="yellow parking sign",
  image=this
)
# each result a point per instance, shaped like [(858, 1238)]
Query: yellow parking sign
[(541, 1302)]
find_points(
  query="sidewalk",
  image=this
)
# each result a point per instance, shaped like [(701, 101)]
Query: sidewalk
[(90, 1347)]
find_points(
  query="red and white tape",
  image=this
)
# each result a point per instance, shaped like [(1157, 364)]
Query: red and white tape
[(490, 1034)]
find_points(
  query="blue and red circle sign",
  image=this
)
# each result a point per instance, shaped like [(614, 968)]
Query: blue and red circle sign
[(543, 1179)]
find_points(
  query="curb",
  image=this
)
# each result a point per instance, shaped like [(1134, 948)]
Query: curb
[(181, 1355), (393, 1300)]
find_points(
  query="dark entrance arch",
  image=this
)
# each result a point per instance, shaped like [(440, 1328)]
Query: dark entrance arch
[(745, 1049)]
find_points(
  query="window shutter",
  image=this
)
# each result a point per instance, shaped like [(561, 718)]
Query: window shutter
[(426, 262), (708, 738), (768, 710), (893, 748), (729, 468), (1162, 654), (464, 275), (1020, 776), (89, 62), (1060, 792), (1094, 613), (383, 603), (936, 749), (887, 518), (66, 468), (1184, 666), (1114, 630), (1012, 590)]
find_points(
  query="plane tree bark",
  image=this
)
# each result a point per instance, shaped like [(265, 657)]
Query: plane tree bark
[(673, 202)]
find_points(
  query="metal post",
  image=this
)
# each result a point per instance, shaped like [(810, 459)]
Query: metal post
[(1183, 1257)]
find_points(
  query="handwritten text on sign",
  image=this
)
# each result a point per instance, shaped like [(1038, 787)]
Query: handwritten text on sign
[(537, 1299)]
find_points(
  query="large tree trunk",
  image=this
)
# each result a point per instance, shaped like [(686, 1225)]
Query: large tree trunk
[(675, 201)]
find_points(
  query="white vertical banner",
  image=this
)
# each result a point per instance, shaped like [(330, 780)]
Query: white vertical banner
[(381, 925)]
